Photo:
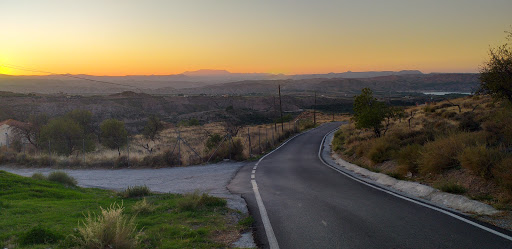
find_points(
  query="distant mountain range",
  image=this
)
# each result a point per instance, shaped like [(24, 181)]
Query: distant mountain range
[(208, 81)]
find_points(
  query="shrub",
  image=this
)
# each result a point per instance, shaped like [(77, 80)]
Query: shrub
[(408, 157), (468, 123), (110, 229), (136, 191), (440, 154), (45, 160), (363, 147), (479, 160), (337, 141), (449, 114), (451, 187), (382, 149), (246, 222), (122, 162), (232, 149), (503, 173), (143, 207), (195, 201), (39, 235), (63, 178), (39, 176), (429, 108)]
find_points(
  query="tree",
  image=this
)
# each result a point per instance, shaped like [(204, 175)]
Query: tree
[(496, 74), (153, 128), (368, 112), (62, 135), (83, 118), (113, 134), (151, 131)]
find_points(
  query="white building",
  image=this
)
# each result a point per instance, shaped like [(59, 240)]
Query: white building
[(8, 131)]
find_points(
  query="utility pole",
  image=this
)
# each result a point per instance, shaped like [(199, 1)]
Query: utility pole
[(281, 109), (314, 112)]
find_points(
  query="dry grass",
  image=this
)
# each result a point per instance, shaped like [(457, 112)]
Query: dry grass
[(110, 229)]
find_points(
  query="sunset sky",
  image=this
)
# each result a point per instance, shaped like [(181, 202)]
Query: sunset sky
[(292, 37)]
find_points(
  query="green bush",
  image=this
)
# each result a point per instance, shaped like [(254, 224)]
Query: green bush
[(63, 178), (136, 191), (39, 176), (382, 149), (479, 160), (246, 222), (408, 157), (39, 235)]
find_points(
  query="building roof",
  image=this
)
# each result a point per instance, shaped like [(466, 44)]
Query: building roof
[(14, 123)]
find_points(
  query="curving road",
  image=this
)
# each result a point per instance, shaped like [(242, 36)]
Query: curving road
[(310, 205)]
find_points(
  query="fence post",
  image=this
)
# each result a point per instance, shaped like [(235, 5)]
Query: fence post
[(128, 151), (179, 148), (266, 136), (83, 150), (50, 150), (249, 135), (259, 138), (7, 140), (273, 140)]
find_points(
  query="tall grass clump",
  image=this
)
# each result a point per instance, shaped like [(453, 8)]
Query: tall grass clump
[(443, 153), (451, 187), (110, 229), (143, 207), (136, 191), (338, 140), (62, 178), (480, 160), (503, 173), (382, 149), (195, 201), (408, 158)]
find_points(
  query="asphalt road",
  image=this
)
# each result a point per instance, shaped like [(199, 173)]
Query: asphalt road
[(310, 205)]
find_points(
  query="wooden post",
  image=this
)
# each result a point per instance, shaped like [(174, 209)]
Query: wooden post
[(281, 109), (314, 112), (249, 135)]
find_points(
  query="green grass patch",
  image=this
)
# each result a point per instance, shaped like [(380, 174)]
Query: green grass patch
[(38, 213), (451, 187)]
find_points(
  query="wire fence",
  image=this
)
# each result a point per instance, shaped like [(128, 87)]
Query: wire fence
[(174, 147)]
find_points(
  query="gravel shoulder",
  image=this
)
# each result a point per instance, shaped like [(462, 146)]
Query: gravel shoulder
[(211, 179)]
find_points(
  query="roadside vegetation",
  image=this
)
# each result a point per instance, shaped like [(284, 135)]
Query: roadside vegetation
[(159, 144), (464, 151), (38, 213), (461, 146)]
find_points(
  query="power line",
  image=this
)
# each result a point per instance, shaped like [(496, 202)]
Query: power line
[(65, 75)]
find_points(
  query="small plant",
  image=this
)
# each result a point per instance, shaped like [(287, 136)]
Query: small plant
[(143, 207), (194, 201), (503, 173), (246, 222), (451, 187), (479, 160), (136, 191), (396, 175), (39, 235), (63, 178), (39, 176), (110, 229), (407, 157), (382, 149)]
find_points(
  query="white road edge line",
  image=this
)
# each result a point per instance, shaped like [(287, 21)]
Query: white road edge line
[(272, 240), (409, 199)]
